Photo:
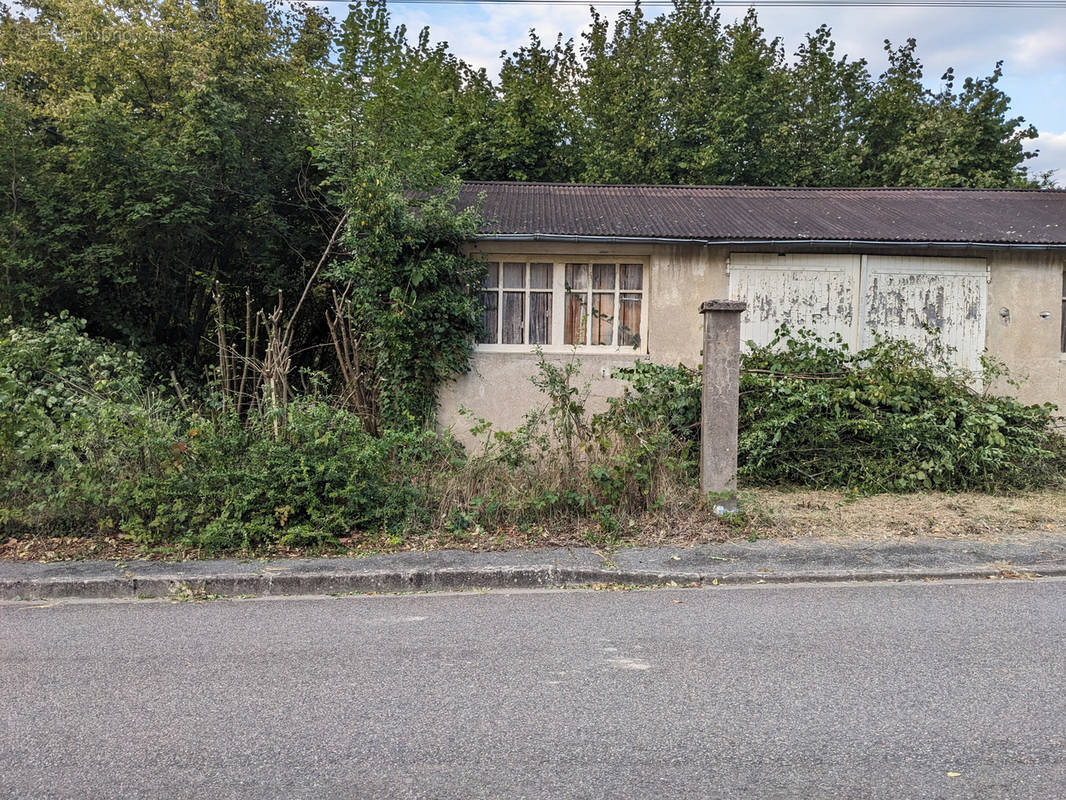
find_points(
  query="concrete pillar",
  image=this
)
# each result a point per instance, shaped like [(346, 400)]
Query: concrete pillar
[(721, 400)]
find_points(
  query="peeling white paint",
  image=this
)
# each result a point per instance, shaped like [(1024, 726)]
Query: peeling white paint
[(920, 299), (819, 292), (914, 298)]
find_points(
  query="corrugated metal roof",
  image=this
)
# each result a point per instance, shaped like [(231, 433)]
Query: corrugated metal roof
[(1022, 217)]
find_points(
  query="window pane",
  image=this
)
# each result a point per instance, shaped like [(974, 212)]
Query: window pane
[(629, 320), (602, 318), (540, 317), (492, 275), (632, 277), (603, 276), (514, 275), (489, 310), (513, 318), (576, 323), (577, 276), (540, 276)]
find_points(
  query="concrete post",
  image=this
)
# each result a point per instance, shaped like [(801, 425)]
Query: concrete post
[(721, 399)]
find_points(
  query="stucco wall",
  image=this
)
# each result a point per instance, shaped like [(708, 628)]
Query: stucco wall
[(1023, 287), (498, 387), (683, 276)]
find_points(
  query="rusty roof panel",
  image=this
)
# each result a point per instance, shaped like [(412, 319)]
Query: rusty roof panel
[(992, 216)]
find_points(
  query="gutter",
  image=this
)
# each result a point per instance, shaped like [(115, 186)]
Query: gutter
[(852, 244)]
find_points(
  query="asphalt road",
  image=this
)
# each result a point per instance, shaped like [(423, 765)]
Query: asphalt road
[(910, 690)]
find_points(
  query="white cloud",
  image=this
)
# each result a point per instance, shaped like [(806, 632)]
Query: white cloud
[(1052, 148), (1038, 51)]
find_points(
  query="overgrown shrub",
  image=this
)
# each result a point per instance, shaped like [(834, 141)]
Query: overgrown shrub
[(77, 418), (887, 418), (409, 297), (230, 484), (87, 446)]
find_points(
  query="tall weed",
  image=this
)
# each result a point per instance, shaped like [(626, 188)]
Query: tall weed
[(565, 465)]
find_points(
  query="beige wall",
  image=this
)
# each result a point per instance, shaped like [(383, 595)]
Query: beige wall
[(682, 277), (1023, 287), (498, 387)]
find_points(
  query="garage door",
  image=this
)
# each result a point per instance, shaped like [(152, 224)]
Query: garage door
[(819, 292), (909, 298), (912, 298)]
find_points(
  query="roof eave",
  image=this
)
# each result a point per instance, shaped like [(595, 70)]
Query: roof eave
[(846, 243)]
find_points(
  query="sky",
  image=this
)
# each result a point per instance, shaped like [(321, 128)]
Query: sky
[(1031, 42)]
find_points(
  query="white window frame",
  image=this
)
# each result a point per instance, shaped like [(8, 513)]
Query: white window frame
[(559, 293), (526, 290)]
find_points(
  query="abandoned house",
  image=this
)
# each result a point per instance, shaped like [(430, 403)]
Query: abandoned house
[(617, 273)]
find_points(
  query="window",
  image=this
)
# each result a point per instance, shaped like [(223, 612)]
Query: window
[(516, 303), (569, 303)]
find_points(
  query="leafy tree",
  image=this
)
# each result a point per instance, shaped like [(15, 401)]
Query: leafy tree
[(895, 108), (694, 50), (386, 123), (623, 99), (751, 122), (386, 104), (829, 98), (154, 151), (530, 127), (918, 138)]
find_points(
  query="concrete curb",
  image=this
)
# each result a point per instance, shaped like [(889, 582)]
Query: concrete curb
[(461, 579)]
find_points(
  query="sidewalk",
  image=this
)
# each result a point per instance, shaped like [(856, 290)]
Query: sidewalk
[(764, 561)]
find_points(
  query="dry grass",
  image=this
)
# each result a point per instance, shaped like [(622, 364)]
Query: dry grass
[(886, 516)]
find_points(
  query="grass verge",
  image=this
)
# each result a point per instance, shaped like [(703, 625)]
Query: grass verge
[(764, 514)]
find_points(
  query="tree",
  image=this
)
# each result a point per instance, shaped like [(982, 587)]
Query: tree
[(623, 100), (530, 126), (829, 99), (750, 125), (386, 104), (918, 138), (694, 49), (154, 152)]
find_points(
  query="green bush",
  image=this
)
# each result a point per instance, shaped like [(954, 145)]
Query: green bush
[(88, 446), (660, 397), (887, 418), (76, 419), (229, 484)]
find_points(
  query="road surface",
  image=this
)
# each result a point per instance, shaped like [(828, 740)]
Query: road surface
[(895, 690)]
